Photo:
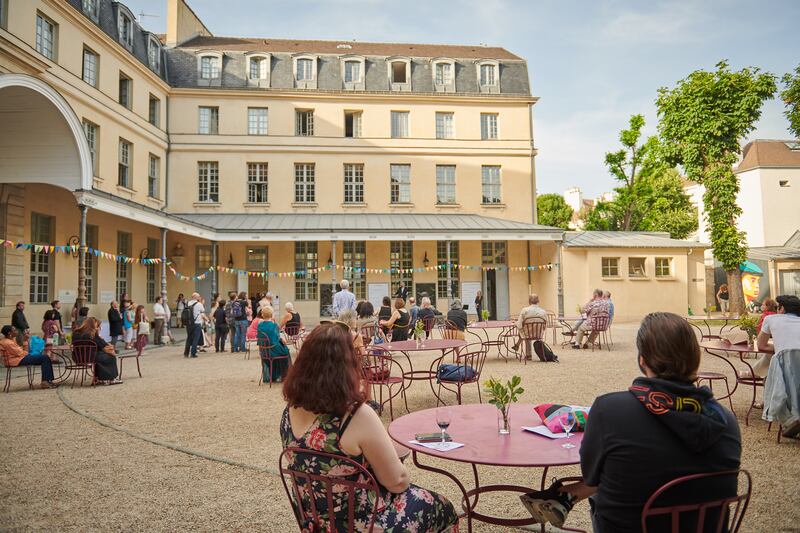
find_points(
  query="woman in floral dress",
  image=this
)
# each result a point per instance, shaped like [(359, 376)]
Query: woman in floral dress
[(326, 412)]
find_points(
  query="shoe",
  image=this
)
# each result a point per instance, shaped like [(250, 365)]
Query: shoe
[(549, 505), (575, 347), (192, 357), (186, 355), (792, 432)]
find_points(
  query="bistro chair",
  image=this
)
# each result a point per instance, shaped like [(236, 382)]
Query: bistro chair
[(711, 377), (726, 513), (141, 343), (264, 348), (292, 335), (352, 493), (82, 362), (30, 369), (429, 323), (469, 360), (533, 329), (551, 324), (377, 367), (599, 325), (450, 331)]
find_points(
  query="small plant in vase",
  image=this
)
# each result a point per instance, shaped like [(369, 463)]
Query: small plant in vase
[(748, 324), (485, 315), (502, 396), (419, 331)]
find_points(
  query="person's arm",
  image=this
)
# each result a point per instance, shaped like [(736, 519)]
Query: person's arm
[(379, 451), (392, 319), (762, 341)]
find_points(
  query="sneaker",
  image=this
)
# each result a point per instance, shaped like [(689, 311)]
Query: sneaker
[(575, 347), (549, 505)]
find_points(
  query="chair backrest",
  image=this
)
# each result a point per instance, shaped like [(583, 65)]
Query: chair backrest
[(376, 365), (599, 322), (314, 496), (449, 330), (727, 519), (472, 355), (430, 323), (551, 319), (534, 328), (84, 352), (3, 358), (264, 347), (292, 331)]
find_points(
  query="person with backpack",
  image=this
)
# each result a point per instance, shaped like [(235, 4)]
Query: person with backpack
[(229, 320), (239, 312), (192, 318)]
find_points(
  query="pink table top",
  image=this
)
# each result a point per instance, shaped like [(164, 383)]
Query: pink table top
[(475, 425), (429, 344), (721, 344), (489, 324)]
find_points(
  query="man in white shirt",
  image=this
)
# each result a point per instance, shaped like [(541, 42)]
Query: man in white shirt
[(344, 299), (194, 330), (159, 316), (784, 328), (532, 311)]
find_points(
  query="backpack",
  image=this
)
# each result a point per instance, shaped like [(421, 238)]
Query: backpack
[(452, 372), (237, 310), (544, 353), (229, 312), (187, 315)]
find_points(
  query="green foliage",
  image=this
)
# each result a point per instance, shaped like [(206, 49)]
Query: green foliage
[(419, 329), (500, 395), (791, 98), (748, 324), (552, 210), (485, 314)]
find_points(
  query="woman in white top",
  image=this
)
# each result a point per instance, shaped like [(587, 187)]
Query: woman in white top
[(159, 318)]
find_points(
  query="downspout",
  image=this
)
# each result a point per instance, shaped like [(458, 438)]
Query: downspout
[(533, 165), (560, 280), (166, 130)]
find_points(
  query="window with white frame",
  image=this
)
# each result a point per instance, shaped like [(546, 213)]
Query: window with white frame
[(490, 184), (125, 91), (41, 269), (610, 267), (154, 54), (636, 267), (153, 167), (353, 183), (257, 120), (257, 183), (441, 272), (124, 167), (399, 124), (399, 74), (304, 69), (92, 131), (125, 28), (444, 74), (401, 262), (304, 122), (445, 184), (210, 66), (352, 71), (208, 181), (123, 269), (91, 8), (493, 252), (154, 111), (400, 184), (488, 126), (354, 261), (663, 267), (305, 265), (258, 68), (208, 120), (152, 270), (488, 74), (352, 123), (444, 126), (304, 183), (90, 64), (46, 36)]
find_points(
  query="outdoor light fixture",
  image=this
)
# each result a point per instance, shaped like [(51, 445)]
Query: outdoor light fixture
[(230, 260), (74, 241), (425, 260), (330, 260)]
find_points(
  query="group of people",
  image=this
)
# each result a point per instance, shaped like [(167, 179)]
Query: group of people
[(599, 305)]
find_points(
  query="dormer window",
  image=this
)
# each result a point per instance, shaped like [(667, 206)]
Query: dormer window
[(209, 68), (125, 26), (444, 75), (399, 73), (353, 72), (258, 69), (91, 8), (488, 76), (154, 54), (305, 71)]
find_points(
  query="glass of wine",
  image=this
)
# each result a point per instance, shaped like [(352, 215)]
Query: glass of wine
[(567, 421), (443, 420)]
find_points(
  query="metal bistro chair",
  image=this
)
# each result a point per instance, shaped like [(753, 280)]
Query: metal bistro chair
[(377, 366), (141, 343), (533, 329), (448, 330), (469, 357), (314, 496), (551, 324), (599, 327), (293, 336), (31, 370), (83, 356), (264, 348), (430, 323), (699, 512)]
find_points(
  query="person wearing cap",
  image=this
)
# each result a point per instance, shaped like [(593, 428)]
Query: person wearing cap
[(458, 318)]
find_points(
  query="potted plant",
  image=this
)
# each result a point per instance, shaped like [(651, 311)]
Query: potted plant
[(748, 324), (419, 331), (485, 315), (502, 396)]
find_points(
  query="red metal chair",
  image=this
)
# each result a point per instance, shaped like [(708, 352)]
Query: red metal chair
[(82, 362), (377, 366), (141, 343), (699, 510), (599, 325), (533, 329), (711, 377), (264, 348), (31, 370), (293, 335), (468, 356), (448, 330), (313, 496), (429, 323)]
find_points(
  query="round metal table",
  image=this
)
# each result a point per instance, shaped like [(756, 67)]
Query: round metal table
[(695, 321), (505, 327)]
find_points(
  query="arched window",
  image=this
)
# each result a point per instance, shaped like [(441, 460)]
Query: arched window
[(444, 75), (125, 26), (258, 67), (353, 72), (154, 54)]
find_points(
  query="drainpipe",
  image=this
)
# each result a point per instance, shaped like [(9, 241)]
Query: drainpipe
[(560, 280), (533, 165), (164, 266), (449, 276)]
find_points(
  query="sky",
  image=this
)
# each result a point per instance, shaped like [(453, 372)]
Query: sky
[(592, 64)]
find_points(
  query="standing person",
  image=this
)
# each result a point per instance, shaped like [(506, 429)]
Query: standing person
[(212, 325), (17, 355), (55, 311), (266, 300), (269, 330), (20, 323), (168, 322), (192, 318), (50, 329), (402, 291), (479, 304), (239, 312), (115, 324), (105, 360), (128, 318), (229, 319), (180, 305), (141, 326), (344, 299), (205, 325), (220, 327), (159, 317), (723, 298)]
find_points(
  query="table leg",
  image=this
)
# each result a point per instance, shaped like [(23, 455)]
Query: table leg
[(467, 509)]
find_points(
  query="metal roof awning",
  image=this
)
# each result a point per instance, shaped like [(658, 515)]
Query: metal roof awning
[(626, 239)]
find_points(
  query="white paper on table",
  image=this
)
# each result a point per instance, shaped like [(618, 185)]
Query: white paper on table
[(545, 432), (438, 446)]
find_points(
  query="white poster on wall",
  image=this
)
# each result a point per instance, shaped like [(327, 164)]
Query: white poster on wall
[(376, 292), (106, 297), (67, 296), (469, 289)]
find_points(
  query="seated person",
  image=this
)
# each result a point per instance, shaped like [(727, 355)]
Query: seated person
[(385, 312), (366, 313), (784, 329), (598, 305), (399, 322), (661, 428), (291, 320), (457, 317), (337, 420), (270, 331), (768, 307), (348, 316), (16, 355), (105, 362), (252, 329), (427, 315), (83, 314), (531, 311)]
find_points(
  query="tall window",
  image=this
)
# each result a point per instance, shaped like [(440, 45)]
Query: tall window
[(152, 251), (125, 90), (444, 126), (445, 184), (124, 167), (304, 184), (91, 8), (304, 122), (46, 36), (124, 247), (353, 183), (399, 72), (90, 60), (257, 183), (258, 261), (41, 273), (490, 184), (209, 67), (488, 126), (354, 258), (305, 260), (208, 181), (257, 119), (152, 176), (352, 123), (400, 186), (154, 54), (441, 273), (305, 70), (493, 252), (125, 29), (154, 111), (92, 138), (488, 75), (258, 68), (444, 74), (352, 71), (663, 267), (91, 264), (399, 124), (610, 267), (401, 258), (208, 120)]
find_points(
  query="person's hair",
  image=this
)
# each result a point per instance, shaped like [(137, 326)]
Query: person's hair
[(231, 295), (723, 286), (326, 375), (344, 284), (139, 314), (6, 331), (267, 312), (790, 303), (426, 302), (243, 295), (180, 295), (668, 346), (348, 316), (83, 311), (222, 303), (215, 296), (456, 304), (54, 303), (597, 292), (412, 300), (533, 299), (20, 302), (606, 294), (158, 299), (90, 327), (769, 305), (399, 303), (387, 301), (289, 306), (366, 310), (112, 302)]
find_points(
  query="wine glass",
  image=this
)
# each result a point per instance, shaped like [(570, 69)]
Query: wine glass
[(443, 420), (567, 421)]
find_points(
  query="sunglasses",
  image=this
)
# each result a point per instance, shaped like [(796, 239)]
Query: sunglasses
[(339, 323)]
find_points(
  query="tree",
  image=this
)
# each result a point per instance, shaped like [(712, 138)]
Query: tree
[(623, 165), (553, 211), (791, 97), (701, 124)]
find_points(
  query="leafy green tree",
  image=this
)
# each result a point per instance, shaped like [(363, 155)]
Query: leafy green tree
[(702, 121), (552, 210), (624, 165), (791, 97)]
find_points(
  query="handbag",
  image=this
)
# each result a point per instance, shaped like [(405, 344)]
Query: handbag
[(144, 328)]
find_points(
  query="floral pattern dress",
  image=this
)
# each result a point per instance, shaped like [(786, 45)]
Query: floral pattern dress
[(416, 510)]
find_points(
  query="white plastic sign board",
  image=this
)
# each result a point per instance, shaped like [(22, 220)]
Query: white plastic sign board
[(67, 296), (376, 292), (106, 297), (469, 289)]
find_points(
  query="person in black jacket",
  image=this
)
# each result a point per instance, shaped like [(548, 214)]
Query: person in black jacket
[(19, 321), (115, 329)]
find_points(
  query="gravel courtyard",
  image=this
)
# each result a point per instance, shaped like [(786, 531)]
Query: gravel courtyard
[(62, 471)]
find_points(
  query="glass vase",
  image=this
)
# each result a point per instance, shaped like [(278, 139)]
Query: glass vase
[(504, 421)]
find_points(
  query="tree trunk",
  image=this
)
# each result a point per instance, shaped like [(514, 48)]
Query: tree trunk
[(735, 292)]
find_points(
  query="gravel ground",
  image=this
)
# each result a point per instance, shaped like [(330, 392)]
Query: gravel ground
[(61, 471)]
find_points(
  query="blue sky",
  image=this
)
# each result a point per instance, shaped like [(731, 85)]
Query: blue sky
[(593, 64)]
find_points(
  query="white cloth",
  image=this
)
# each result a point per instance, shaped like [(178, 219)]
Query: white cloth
[(532, 311), (197, 311), (785, 331), (158, 311)]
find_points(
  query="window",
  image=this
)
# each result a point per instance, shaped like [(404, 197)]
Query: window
[(399, 71), (152, 251), (352, 123), (152, 176), (441, 272), (445, 184), (210, 67), (258, 261), (125, 29), (3, 13), (259, 67), (154, 54), (352, 71), (636, 267), (490, 184), (92, 138), (444, 126), (305, 263), (304, 191), (663, 267), (90, 60), (304, 122), (401, 262), (46, 36), (125, 90), (154, 111), (257, 183), (400, 184), (208, 121), (354, 259), (493, 252), (124, 247), (208, 181), (125, 158), (784, 183), (610, 267), (443, 74), (257, 119), (488, 126), (91, 8), (91, 264), (488, 75), (353, 183), (305, 70), (41, 273), (399, 124)]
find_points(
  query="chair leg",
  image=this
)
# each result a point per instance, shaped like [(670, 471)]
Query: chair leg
[(138, 367), (752, 404), (7, 386), (120, 368), (728, 390)]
